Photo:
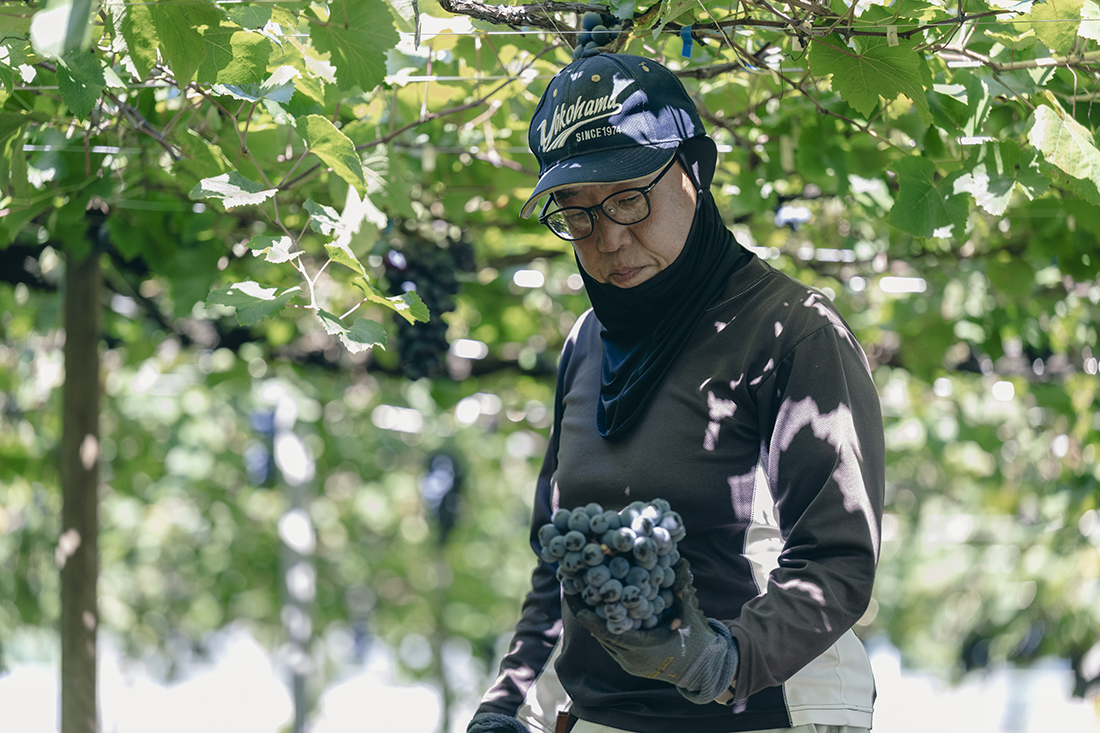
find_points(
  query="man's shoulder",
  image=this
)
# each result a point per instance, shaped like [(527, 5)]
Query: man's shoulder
[(761, 293)]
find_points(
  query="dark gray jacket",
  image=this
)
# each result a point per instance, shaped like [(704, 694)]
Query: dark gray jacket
[(766, 436)]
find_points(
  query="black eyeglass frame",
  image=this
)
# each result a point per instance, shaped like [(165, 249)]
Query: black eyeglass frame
[(590, 211)]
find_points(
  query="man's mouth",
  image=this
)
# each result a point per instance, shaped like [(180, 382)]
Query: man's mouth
[(623, 275)]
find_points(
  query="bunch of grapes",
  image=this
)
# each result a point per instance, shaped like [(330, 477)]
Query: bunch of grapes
[(598, 30), (620, 563), (429, 268)]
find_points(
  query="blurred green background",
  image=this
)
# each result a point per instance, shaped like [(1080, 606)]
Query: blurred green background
[(298, 532)]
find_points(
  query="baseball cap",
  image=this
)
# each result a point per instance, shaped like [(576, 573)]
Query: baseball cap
[(608, 118)]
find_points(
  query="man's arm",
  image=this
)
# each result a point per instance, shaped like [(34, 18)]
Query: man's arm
[(824, 460)]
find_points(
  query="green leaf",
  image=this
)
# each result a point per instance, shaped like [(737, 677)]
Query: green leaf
[(357, 35), (915, 9), (1052, 23), (253, 301), (62, 26), (201, 158), (275, 249), (279, 87), (995, 172), (1090, 24), (12, 162), (407, 305), (925, 204), (1065, 144), (178, 28), (881, 70), (12, 56), (322, 219), (252, 17), (1011, 36), (406, 14), (135, 36), (232, 189), (660, 13), (334, 148), (20, 213), (80, 80), (621, 9), (363, 334), (978, 102), (341, 254), (410, 307), (332, 323), (233, 56)]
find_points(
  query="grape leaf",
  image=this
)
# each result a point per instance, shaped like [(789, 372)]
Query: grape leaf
[(251, 17), (332, 323), (621, 9), (253, 301), (363, 334), (1049, 23), (924, 204), (995, 172), (12, 127), (80, 80), (1065, 144), (1010, 35), (135, 36), (232, 189), (410, 307), (334, 148), (406, 14), (322, 219), (279, 87), (201, 158), (881, 70), (233, 56), (62, 26), (181, 43), (1090, 24), (11, 58), (357, 35), (275, 249), (342, 255), (978, 101), (407, 305)]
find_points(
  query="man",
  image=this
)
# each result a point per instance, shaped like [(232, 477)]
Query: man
[(706, 378)]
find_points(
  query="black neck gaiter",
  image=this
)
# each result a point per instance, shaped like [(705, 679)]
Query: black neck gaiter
[(646, 327)]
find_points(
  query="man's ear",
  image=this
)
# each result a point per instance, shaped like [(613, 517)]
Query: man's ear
[(700, 157)]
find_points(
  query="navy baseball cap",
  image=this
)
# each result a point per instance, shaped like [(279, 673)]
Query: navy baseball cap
[(608, 118)]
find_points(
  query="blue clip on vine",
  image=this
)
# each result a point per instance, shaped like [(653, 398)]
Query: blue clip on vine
[(685, 36)]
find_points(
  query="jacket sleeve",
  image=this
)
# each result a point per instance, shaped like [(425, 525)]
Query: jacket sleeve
[(823, 454), (539, 626)]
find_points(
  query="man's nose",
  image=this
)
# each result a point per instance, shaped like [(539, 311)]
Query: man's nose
[(610, 237)]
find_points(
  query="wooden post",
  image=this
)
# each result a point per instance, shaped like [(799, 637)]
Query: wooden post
[(78, 547)]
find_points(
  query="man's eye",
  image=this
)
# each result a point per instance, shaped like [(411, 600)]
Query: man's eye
[(629, 200)]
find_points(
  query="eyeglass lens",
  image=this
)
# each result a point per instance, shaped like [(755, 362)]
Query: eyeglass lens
[(626, 207)]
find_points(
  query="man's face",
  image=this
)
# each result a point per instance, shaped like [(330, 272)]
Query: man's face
[(629, 255)]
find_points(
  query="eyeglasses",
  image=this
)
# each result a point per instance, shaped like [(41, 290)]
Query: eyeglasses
[(629, 206)]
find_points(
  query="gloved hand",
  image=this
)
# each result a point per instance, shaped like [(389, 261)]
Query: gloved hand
[(696, 654), (495, 723)]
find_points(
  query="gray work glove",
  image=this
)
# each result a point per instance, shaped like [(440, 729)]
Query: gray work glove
[(495, 723), (696, 654)]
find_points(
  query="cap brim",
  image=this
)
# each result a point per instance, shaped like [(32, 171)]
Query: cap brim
[(606, 166)]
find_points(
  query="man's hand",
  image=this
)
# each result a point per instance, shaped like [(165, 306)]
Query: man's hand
[(696, 654)]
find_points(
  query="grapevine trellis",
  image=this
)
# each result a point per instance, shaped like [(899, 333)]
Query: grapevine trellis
[(929, 29)]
